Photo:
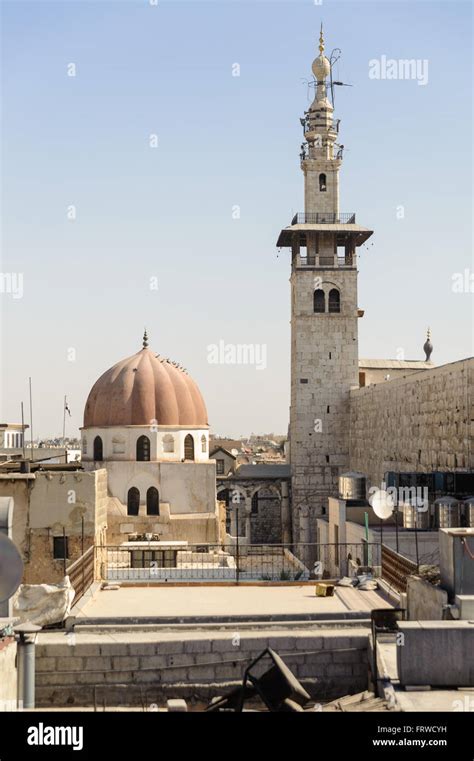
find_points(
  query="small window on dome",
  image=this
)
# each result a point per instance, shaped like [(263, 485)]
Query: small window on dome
[(143, 449), (189, 447), (98, 449)]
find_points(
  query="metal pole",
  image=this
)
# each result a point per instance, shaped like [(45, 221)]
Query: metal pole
[(64, 550), (82, 552), (29, 672), (23, 431), (31, 420), (396, 527), (237, 543), (64, 424), (416, 540), (27, 633)]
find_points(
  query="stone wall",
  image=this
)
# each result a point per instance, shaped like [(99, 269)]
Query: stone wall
[(124, 668), (423, 422), (47, 502), (324, 367)]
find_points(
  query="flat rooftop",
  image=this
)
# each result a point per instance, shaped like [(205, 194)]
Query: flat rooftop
[(165, 604)]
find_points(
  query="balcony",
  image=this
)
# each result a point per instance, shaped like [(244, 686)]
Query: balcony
[(320, 260), (313, 126), (323, 218)]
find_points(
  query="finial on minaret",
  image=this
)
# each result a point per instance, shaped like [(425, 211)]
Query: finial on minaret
[(145, 340), (321, 40), (428, 346)]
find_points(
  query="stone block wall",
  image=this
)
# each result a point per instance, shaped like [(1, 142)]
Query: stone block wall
[(143, 668), (324, 367), (422, 422)]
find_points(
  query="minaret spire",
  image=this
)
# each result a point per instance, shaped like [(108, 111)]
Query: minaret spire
[(321, 40), (145, 340)]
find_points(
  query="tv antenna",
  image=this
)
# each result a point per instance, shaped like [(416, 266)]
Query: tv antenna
[(333, 59)]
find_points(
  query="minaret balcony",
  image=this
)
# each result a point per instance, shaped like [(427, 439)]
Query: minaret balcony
[(323, 218), (317, 123)]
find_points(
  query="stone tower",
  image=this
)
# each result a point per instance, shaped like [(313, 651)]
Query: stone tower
[(324, 314)]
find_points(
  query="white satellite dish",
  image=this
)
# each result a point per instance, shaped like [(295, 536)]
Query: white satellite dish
[(382, 504), (11, 568)]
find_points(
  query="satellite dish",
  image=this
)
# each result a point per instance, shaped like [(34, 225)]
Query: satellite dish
[(382, 504), (11, 568)]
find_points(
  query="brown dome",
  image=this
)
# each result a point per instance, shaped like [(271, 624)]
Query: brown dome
[(144, 388)]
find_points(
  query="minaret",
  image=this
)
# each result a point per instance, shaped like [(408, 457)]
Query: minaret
[(324, 314)]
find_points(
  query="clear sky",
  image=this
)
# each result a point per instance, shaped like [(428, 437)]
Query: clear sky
[(223, 141)]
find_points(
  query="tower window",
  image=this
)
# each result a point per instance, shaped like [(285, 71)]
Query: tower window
[(98, 449), (319, 301), (133, 501), (334, 300), (322, 183), (152, 501), (189, 447), (203, 444), (143, 449)]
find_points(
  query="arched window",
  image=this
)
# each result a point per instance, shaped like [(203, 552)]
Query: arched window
[(98, 449), (319, 301), (322, 183), (143, 449), (168, 443), (133, 501), (189, 447), (203, 444), (334, 300), (152, 501), (84, 446)]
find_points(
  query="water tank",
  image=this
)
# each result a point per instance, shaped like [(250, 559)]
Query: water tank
[(469, 511), (352, 485), (415, 515), (447, 512)]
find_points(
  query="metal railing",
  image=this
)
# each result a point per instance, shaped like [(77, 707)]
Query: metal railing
[(323, 218), (327, 261), (313, 125), (396, 568), (81, 573), (236, 562)]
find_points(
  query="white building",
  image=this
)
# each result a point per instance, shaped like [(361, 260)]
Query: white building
[(145, 422)]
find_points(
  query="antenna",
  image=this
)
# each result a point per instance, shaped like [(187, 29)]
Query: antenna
[(334, 58)]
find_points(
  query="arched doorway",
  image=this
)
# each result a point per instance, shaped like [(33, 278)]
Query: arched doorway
[(98, 449), (143, 449), (265, 516), (133, 501), (189, 447), (152, 501)]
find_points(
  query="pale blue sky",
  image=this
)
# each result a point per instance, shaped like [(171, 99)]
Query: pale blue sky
[(223, 141)]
